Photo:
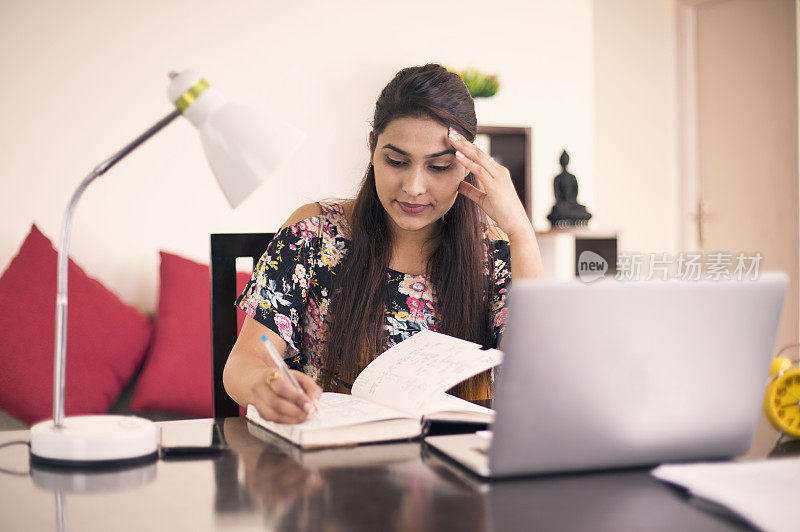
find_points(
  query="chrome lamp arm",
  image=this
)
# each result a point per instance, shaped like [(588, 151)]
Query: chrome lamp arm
[(63, 263)]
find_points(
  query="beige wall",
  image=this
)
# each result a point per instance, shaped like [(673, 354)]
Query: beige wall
[(598, 78), (82, 78), (637, 180)]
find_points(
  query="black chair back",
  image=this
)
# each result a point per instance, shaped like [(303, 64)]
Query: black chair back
[(225, 249)]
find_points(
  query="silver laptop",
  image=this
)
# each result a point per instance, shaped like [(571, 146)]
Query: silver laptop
[(617, 374)]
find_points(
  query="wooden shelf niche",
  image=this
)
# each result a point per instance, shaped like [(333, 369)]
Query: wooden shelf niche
[(511, 147)]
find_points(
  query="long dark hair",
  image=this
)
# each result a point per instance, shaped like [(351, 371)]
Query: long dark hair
[(357, 319)]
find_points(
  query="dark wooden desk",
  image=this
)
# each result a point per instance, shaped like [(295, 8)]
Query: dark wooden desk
[(263, 483)]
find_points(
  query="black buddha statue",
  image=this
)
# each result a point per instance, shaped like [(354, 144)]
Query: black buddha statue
[(567, 212)]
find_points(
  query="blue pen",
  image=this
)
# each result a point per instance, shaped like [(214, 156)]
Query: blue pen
[(282, 367)]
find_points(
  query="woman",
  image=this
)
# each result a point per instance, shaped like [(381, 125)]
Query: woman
[(343, 281)]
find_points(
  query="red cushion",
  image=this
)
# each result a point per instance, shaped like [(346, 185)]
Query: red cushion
[(106, 338), (177, 375)]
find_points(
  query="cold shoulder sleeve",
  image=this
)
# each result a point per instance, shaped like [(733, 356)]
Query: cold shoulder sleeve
[(276, 293)]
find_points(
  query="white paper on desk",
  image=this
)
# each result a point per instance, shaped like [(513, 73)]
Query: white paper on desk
[(764, 492)]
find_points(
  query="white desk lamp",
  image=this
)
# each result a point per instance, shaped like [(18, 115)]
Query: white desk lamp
[(243, 148)]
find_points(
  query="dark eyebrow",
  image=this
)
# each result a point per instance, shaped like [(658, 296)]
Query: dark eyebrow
[(431, 156)]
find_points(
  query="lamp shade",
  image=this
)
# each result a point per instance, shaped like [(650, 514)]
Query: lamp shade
[(243, 146)]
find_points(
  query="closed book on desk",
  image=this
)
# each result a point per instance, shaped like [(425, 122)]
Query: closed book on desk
[(401, 389)]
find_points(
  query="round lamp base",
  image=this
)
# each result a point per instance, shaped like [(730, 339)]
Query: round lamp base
[(94, 441)]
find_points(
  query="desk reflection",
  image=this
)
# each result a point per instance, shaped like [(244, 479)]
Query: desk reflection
[(373, 487), (408, 486), (61, 481), (606, 501), (263, 482)]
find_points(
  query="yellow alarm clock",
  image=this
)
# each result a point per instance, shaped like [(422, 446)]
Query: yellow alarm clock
[(782, 397)]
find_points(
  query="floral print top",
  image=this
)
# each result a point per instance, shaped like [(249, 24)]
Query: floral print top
[(290, 289)]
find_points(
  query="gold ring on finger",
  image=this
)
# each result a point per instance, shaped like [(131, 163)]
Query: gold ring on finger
[(275, 374)]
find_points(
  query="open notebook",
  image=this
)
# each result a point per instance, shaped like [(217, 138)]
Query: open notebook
[(395, 394)]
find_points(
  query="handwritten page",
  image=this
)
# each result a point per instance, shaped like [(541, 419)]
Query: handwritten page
[(335, 410), (763, 492), (411, 374)]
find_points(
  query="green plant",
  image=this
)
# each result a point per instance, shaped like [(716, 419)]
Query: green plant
[(480, 85)]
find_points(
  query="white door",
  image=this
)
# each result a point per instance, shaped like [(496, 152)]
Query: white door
[(739, 66)]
